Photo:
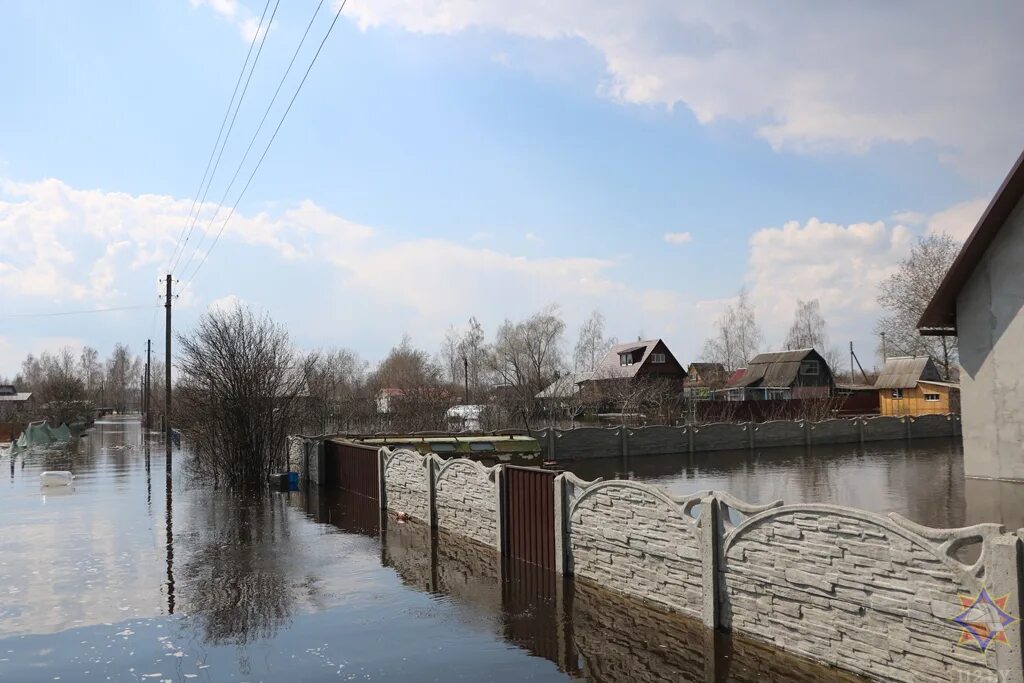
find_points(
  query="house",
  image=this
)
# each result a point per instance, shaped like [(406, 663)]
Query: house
[(801, 373), (981, 300), (648, 359), (913, 386), (386, 397), (12, 401), (702, 379), (564, 389)]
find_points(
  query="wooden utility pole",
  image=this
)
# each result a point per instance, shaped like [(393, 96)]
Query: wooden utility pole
[(465, 374), (167, 374), (147, 401)]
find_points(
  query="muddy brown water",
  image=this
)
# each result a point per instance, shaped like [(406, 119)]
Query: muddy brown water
[(134, 576)]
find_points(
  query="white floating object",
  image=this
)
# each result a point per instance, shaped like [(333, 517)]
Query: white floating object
[(56, 478)]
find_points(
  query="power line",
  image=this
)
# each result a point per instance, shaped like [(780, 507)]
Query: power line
[(269, 143), (81, 312), (207, 174), (255, 135)]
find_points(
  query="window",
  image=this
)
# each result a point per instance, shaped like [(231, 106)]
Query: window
[(442, 447), (931, 397), (626, 358), (897, 393), (657, 358), (809, 367), (481, 446)]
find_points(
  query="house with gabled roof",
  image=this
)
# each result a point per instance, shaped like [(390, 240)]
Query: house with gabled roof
[(912, 385), (799, 373), (981, 301)]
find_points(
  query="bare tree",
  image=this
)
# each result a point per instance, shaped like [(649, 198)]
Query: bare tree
[(810, 331), (737, 336), (905, 295), (334, 381), (527, 357), (411, 390), (236, 399), (592, 344), (123, 373)]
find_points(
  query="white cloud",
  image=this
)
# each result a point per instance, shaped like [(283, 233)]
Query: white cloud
[(225, 303), (959, 219), (234, 13), (807, 76), (678, 237), (532, 237), (840, 265)]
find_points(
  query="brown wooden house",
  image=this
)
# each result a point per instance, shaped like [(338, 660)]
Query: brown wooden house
[(645, 359)]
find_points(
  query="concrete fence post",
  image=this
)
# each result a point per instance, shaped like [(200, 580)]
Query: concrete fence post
[(551, 443), (431, 471), (807, 432), (689, 437), (559, 521), (1003, 577), (711, 533), (860, 430), (907, 420), (624, 434), (750, 435), (499, 506)]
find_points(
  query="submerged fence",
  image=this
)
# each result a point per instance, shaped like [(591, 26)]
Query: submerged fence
[(591, 442)]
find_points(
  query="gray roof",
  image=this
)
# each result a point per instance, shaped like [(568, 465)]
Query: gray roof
[(775, 369), (904, 372), (566, 386), (608, 367), (16, 398)]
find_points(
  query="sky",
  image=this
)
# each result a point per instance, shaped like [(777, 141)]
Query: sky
[(455, 158)]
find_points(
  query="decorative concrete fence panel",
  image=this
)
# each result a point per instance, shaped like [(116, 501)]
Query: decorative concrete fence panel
[(657, 440), (466, 499), (781, 433), (884, 428), (587, 442), (835, 431), (720, 437), (871, 594), (933, 425), (636, 539), (406, 483)]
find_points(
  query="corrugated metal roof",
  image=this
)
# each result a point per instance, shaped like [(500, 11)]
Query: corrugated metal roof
[(566, 386), (904, 372), (13, 398), (774, 369)]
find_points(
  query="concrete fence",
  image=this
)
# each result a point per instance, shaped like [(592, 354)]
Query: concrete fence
[(595, 442), (876, 595)]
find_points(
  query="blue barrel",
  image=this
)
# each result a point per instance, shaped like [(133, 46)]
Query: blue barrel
[(293, 481)]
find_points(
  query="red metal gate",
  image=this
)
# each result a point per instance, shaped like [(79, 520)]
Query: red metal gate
[(530, 515), (353, 467)]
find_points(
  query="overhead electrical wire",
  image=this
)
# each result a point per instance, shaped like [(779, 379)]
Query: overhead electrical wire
[(255, 135), (81, 312), (263, 156), (197, 203)]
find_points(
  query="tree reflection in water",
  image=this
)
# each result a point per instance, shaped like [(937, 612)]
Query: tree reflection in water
[(235, 580)]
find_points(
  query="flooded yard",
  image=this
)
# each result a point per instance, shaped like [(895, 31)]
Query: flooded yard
[(137, 575)]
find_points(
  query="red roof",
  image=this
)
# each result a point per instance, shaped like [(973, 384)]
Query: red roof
[(736, 376)]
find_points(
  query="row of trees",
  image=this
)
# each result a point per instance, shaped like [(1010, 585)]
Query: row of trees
[(66, 385)]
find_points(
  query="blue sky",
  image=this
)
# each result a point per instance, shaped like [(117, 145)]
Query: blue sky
[(448, 159)]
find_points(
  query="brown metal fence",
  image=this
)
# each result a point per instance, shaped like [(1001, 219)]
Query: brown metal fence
[(530, 515), (353, 467)]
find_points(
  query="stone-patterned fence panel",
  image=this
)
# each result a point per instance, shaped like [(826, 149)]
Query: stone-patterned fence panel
[(719, 437), (835, 431), (934, 425), (636, 538), (466, 499), (588, 442), (867, 593), (884, 428), (656, 440), (406, 483), (780, 433)]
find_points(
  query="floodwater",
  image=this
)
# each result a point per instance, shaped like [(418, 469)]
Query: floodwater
[(134, 575), (922, 480)]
